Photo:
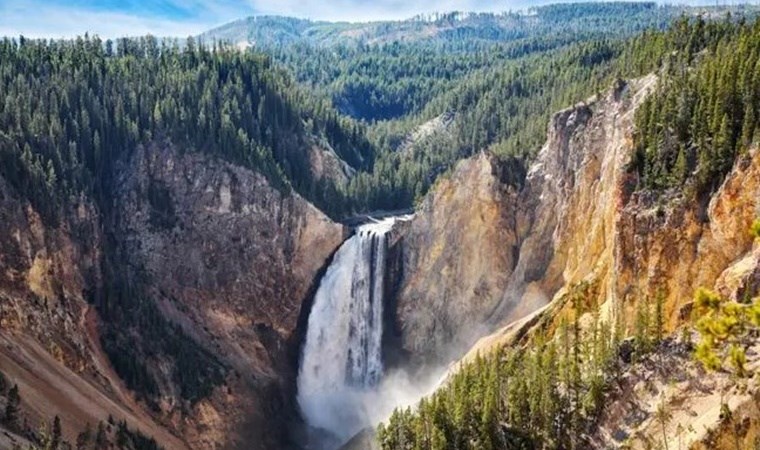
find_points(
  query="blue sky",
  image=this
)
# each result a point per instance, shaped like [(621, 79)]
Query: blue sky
[(114, 18)]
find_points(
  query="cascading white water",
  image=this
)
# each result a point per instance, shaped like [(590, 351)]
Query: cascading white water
[(342, 356)]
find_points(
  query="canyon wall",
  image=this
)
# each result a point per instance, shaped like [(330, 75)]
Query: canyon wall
[(226, 258), (577, 217), (456, 256)]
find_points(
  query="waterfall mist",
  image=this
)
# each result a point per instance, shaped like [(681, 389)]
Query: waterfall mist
[(341, 385)]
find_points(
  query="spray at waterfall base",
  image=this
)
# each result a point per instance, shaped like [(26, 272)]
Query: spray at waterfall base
[(342, 387)]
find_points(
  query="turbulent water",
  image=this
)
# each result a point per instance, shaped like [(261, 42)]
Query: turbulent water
[(341, 364)]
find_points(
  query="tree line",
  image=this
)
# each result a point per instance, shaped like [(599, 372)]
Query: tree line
[(705, 111), (72, 109), (546, 394)]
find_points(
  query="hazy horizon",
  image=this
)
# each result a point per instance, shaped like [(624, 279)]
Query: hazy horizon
[(180, 18)]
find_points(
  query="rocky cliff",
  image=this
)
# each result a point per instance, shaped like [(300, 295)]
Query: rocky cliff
[(231, 261), (579, 221), (457, 254), (479, 254), (225, 258)]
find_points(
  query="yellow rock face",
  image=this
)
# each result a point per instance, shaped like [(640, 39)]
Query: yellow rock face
[(576, 219), (458, 254), (681, 246)]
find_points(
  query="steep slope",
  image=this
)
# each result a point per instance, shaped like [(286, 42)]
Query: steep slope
[(49, 347), (575, 219), (225, 257), (551, 233), (160, 253), (231, 261)]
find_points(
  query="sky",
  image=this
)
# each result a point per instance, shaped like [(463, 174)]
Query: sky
[(115, 18)]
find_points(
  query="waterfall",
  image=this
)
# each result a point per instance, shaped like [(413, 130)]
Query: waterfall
[(341, 363)]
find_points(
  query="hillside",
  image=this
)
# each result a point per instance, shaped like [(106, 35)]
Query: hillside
[(132, 286), (497, 76), (274, 31)]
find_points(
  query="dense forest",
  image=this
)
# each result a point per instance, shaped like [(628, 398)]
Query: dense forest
[(702, 117), (461, 29), (393, 72), (547, 394), (550, 393), (493, 78), (66, 121), (72, 109)]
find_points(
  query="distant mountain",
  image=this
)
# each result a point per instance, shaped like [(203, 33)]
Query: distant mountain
[(612, 18)]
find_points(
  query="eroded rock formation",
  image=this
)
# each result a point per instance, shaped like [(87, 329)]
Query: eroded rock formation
[(577, 218)]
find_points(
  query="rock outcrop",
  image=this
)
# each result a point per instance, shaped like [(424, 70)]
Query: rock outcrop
[(49, 269), (457, 254), (577, 218), (231, 260), (667, 400), (520, 245)]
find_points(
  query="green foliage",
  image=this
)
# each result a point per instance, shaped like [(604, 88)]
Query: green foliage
[(649, 324), (546, 396), (494, 79), (755, 229), (458, 30), (726, 329), (705, 111), (101, 438), (112, 434), (503, 106), (127, 438), (144, 336), (12, 406), (56, 434), (84, 437), (72, 109), (642, 327)]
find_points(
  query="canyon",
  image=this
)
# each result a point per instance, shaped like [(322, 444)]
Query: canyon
[(239, 267)]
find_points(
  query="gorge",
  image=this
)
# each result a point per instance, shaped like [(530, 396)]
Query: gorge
[(189, 258)]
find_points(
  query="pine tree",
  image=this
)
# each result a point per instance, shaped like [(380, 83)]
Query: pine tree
[(84, 437), (748, 126), (12, 407), (658, 317), (101, 438), (680, 167), (55, 440), (663, 416), (642, 328)]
